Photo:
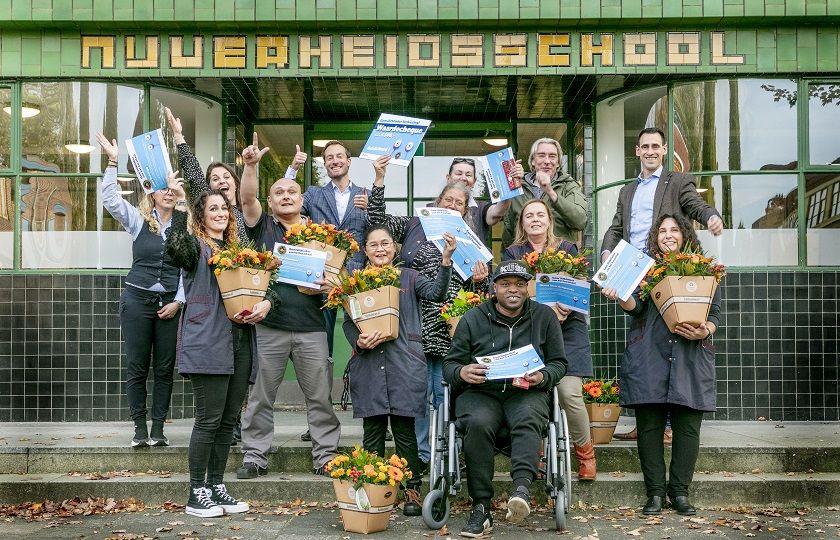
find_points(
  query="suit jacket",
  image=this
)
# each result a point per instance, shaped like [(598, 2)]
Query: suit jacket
[(676, 195), (319, 204)]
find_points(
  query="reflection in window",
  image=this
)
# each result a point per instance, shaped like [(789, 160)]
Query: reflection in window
[(61, 138), (63, 225), (361, 171), (6, 126), (620, 120), (823, 119), (759, 214), (733, 125), (823, 234), (281, 139), (7, 222), (201, 123)]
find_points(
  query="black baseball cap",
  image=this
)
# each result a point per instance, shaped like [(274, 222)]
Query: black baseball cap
[(512, 268)]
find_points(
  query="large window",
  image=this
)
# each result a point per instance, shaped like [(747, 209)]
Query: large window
[(57, 173), (741, 138)]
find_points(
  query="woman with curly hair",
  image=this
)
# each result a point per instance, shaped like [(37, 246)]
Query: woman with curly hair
[(150, 301), (213, 352), (666, 373)]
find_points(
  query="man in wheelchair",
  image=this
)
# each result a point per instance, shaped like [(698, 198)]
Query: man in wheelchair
[(507, 321)]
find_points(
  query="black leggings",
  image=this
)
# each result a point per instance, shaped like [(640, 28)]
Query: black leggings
[(404, 440), (685, 423), (218, 400)]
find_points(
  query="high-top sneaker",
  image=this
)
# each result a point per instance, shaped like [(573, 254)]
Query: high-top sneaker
[(201, 503), (479, 523), (230, 505), (157, 438), (141, 434)]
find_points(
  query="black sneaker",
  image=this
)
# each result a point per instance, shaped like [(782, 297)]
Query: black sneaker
[(479, 523), (157, 438), (250, 470), (519, 505), (201, 504), (306, 436), (413, 503), (230, 505), (141, 434)]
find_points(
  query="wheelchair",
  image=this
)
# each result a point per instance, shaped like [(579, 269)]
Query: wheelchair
[(445, 471)]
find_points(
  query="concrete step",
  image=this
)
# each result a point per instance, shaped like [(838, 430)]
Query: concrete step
[(295, 457), (617, 489)]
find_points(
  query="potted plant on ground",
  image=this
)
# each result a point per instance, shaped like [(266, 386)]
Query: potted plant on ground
[(366, 488), (452, 311), (601, 401)]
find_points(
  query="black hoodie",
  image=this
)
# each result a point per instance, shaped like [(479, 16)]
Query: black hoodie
[(483, 331)]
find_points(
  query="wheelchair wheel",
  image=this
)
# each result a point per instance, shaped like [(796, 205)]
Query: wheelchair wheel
[(560, 508), (436, 509), (565, 461)]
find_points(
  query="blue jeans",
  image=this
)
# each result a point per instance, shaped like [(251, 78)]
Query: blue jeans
[(434, 388)]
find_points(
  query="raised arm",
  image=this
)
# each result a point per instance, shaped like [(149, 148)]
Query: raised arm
[(376, 203), (127, 216), (248, 184), (187, 162)]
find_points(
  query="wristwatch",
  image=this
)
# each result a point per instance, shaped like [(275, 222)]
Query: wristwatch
[(180, 303)]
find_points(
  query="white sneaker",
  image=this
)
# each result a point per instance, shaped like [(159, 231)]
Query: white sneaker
[(519, 505), (201, 504), (230, 505)]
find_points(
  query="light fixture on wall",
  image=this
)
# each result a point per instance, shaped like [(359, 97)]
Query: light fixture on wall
[(27, 110), (495, 138), (79, 147), (125, 179), (320, 143)]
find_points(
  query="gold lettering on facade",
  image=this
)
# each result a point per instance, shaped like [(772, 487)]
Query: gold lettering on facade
[(547, 55), (510, 50), (106, 44), (152, 57), (424, 50), (718, 48), (683, 48), (467, 50), (323, 52), (588, 49), (640, 49), (272, 51), (229, 52), (177, 58), (392, 48), (357, 52)]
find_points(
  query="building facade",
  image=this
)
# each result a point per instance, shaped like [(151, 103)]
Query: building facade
[(748, 92)]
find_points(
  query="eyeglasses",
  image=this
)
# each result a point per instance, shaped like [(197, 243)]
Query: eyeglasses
[(453, 201), (468, 161), (385, 244)]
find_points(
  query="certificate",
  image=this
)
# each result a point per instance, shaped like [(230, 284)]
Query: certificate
[(497, 169), (624, 270), (469, 248), (467, 253), (395, 136), (563, 290), (150, 158), (300, 266), (511, 364)]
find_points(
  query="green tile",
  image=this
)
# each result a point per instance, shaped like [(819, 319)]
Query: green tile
[(201, 4), (509, 10), (833, 7), (22, 10), (264, 10), (754, 8), (164, 5), (129, 4), (468, 10), (386, 10), (41, 14), (285, 4), (366, 14), (10, 62), (652, 8), (427, 10), (327, 14), (776, 10), (529, 12), (489, 14), (184, 11), (51, 62), (745, 41), (408, 14), (713, 8), (82, 5), (795, 7), (324, 4), (225, 11), (590, 10), (346, 10), (550, 10), (144, 11), (5, 9), (446, 13), (103, 10), (10, 43), (41, 4), (632, 9), (365, 4), (816, 8), (827, 50), (733, 10), (164, 14), (570, 9), (693, 11)]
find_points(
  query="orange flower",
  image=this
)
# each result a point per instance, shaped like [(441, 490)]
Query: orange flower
[(395, 474), (594, 392)]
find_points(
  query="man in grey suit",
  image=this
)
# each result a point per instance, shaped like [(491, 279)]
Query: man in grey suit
[(655, 192)]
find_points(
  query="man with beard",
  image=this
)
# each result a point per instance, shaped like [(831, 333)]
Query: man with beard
[(507, 321), (548, 182), (293, 328)]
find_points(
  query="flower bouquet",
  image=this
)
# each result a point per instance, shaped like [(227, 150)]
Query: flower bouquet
[(682, 285), (452, 311), (371, 297), (336, 243), (561, 279), (243, 275), (601, 401), (366, 488)]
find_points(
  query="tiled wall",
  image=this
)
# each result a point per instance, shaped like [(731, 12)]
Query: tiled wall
[(60, 348), (777, 348)]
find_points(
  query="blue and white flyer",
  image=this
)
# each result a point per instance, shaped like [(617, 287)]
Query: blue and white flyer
[(497, 169), (511, 364), (396, 136), (623, 270), (300, 266), (469, 248), (563, 290), (150, 159)]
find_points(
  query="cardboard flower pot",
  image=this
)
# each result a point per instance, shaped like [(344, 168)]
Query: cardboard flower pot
[(684, 299), (241, 288), (367, 509), (451, 325), (603, 417), (333, 266), (376, 309)]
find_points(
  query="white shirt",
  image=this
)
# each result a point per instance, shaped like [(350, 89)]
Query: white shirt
[(342, 199)]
